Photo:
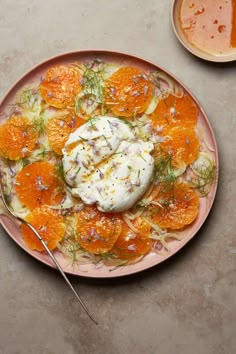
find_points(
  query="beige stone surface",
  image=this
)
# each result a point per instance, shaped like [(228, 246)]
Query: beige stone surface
[(188, 304)]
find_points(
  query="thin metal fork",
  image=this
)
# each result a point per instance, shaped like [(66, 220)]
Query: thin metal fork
[(11, 212)]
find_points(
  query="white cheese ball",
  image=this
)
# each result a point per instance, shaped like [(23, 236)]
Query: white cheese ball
[(105, 164)]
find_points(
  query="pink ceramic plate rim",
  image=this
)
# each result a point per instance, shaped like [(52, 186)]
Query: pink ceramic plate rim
[(191, 48), (152, 259)]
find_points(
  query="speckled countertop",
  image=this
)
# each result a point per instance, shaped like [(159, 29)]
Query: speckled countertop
[(186, 305)]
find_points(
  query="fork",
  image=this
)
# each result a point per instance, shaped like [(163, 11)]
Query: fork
[(31, 227)]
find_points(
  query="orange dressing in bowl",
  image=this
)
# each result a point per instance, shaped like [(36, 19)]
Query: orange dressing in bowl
[(210, 25)]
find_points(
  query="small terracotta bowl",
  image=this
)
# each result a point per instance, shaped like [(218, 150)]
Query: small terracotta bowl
[(175, 17)]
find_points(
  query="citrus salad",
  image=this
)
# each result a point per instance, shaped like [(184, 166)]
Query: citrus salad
[(106, 161)]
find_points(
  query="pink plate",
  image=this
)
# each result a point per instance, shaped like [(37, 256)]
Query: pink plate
[(152, 259)]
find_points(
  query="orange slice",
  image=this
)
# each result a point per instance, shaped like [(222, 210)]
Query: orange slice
[(49, 225), (60, 86), (182, 144), (59, 129), (18, 137), (176, 205), (128, 92), (37, 184), (96, 231), (142, 227), (175, 111), (130, 244)]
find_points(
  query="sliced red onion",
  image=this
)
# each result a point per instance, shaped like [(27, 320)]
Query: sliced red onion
[(78, 207), (159, 128), (40, 185), (91, 143), (92, 231), (135, 93), (132, 247), (12, 171), (161, 139), (158, 246), (55, 79), (24, 150), (84, 164), (145, 90), (113, 90), (101, 175), (99, 189), (72, 122)]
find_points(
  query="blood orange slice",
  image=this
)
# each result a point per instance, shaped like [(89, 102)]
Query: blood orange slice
[(50, 226), (128, 92), (18, 137), (175, 111), (59, 129), (175, 206), (133, 244), (37, 184), (182, 144), (96, 231), (60, 86)]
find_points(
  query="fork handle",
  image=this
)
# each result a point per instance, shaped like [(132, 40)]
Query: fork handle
[(58, 267)]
